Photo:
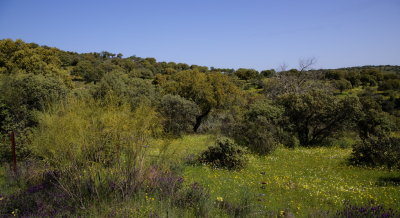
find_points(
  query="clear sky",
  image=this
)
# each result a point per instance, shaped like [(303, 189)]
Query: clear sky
[(220, 33)]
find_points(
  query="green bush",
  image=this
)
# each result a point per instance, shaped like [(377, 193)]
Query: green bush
[(288, 140), (342, 85), (179, 114), (22, 94), (246, 74), (372, 121), (258, 139), (317, 115), (22, 151), (142, 73), (258, 129), (134, 91), (377, 151), (391, 84), (225, 154)]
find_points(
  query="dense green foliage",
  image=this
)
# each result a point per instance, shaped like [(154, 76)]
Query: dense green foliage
[(179, 114), (225, 154), (23, 94), (134, 91), (258, 128), (98, 127), (378, 151), (246, 74), (208, 90), (316, 115)]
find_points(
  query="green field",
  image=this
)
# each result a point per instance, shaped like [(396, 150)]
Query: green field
[(302, 180)]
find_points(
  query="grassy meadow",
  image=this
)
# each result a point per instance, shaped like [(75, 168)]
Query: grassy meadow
[(301, 180)]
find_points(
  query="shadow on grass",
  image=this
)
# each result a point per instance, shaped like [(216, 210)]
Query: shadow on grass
[(388, 181)]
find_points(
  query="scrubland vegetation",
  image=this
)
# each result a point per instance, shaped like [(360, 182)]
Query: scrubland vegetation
[(99, 135)]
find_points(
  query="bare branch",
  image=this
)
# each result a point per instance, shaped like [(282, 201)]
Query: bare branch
[(296, 81), (283, 67), (306, 64)]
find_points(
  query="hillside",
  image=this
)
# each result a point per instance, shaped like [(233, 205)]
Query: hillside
[(100, 134)]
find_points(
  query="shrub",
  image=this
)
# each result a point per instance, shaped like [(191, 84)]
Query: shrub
[(288, 140), (377, 151), (96, 151), (259, 139), (317, 115), (268, 73), (142, 73), (194, 196), (134, 91), (22, 94), (246, 74), (179, 113), (86, 70), (165, 183), (391, 84), (258, 129), (225, 154), (22, 151), (342, 85), (372, 121)]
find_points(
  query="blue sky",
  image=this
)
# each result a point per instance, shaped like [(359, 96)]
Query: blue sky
[(220, 33)]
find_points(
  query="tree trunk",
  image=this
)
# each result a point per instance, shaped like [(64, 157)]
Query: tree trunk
[(200, 118), (303, 136)]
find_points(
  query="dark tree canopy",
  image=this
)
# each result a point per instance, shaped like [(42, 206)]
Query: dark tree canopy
[(179, 114), (315, 115), (246, 74), (208, 90)]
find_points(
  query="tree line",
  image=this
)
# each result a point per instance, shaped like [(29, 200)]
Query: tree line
[(259, 110)]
